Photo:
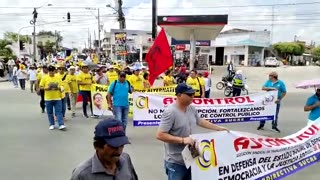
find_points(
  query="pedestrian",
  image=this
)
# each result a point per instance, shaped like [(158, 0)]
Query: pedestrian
[(52, 85), (274, 84), (40, 91), (14, 75), (146, 83), (62, 74), (1, 68), (177, 124), (22, 76), (230, 68), (32, 74), (101, 77), (112, 74), (208, 84), (196, 83), (313, 105), (237, 83), (74, 90), (136, 80), (109, 161), (118, 98), (85, 80)]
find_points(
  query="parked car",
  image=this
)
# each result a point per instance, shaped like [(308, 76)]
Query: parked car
[(271, 62)]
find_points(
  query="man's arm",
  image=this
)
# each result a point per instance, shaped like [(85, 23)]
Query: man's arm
[(310, 105)]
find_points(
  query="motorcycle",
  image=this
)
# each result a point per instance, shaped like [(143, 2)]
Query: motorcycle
[(224, 81), (229, 89)]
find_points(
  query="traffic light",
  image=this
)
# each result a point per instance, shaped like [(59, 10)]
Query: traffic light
[(21, 45), (68, 17)]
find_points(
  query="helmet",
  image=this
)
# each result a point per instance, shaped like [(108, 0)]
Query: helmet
[(239, 72)]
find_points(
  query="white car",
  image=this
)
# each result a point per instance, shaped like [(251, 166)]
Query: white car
[(271, 62)]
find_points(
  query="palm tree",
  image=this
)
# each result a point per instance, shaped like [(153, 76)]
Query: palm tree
[(5, 50)]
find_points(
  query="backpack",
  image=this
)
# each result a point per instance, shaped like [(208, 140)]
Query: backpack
[(115, 83)]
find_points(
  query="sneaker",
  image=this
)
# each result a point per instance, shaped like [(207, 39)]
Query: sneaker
[(62, 127), (42, 111), (51, 127), (94, 116), (260, 128), (73, 115), (275, 129), (69, 108), (86, 116)]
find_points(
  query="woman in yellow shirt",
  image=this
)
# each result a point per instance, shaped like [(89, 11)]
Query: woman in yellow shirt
[(197, 84), (168, 79), (146, 82), (52, 86), (136, 80)]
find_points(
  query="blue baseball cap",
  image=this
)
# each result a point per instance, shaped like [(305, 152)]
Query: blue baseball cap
[(112, 131), (183, 88)]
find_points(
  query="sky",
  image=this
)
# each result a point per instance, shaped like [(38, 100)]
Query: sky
[(290, 18)]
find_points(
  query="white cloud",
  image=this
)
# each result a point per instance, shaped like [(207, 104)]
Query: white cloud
[(288, 20)]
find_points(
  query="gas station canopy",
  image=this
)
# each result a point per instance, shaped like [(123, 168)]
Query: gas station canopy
[(203, 27)]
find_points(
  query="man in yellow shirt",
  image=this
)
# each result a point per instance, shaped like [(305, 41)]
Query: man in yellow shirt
[(196, 83), (112, 74), (168, 79), (85, 80), (136, 80), (74, 90), (62, 74), (40, 92), (52, 86)]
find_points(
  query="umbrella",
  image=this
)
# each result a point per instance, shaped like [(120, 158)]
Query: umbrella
[(315, 83)]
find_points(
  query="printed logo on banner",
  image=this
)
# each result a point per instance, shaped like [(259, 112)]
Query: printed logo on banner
[(142, 102), (268, 99), (208, 156)]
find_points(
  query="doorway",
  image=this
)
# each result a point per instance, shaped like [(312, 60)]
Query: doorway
[(219, 56)]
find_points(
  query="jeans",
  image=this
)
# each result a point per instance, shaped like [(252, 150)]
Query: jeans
[(22, 83), (64, 105), (32, 85), (74, 100), (207, 94), (68, 101), (86, 95), (42, 102), (121, 114), (57, 106), (177, 172), (15, 81), (275, 121)]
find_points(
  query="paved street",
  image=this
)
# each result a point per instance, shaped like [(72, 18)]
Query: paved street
[(29, 151)]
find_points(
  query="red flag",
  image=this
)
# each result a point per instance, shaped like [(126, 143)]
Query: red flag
[(159, 57)]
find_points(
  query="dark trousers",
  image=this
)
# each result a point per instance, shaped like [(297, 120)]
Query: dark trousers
[(207, 94), (236, 92), (275, 121), (86, 95), (42, 102), (1, 72), (22, 83), (68, 101)]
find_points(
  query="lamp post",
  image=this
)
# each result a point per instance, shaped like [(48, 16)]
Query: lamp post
[(99, 27), (33, 22)]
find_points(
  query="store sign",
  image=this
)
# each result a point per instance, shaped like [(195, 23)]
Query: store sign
[(198, 43)]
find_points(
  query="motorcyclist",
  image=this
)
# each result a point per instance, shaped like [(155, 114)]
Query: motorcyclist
[(237, 83)]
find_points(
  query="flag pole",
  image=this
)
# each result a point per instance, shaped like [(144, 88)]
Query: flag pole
[(154, 19), (192, 50)]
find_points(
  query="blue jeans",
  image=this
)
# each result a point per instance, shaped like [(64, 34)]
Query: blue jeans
[(121, 114), (177, 172), (275, 121), (64, 105), (15, 81), (57, 106)]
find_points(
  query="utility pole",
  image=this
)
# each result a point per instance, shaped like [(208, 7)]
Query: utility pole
[(121, 18), (154, 19), (33, 22), (99, 30), (271, 34)]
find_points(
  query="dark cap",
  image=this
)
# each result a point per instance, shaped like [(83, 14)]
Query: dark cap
[(51, 68), (183, 88), (112, 131)]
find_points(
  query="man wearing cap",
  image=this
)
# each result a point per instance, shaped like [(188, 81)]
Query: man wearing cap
[(109, 162), (274, 84), (313, 105), (112, 74), (177, 124), (74, 90), (118, 98), (39, 90)]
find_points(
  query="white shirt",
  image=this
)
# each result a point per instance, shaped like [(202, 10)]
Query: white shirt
[(1, 65), (208, 84), (32, 75), (21, 75), (14, 71), (104, 80)]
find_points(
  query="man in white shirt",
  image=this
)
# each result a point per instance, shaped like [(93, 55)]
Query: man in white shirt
[(1, 68), (101, 77), (32, 73)]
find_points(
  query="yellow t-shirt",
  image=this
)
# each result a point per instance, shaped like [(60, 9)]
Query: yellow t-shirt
[(50, 95), (169, 80), (64, 82), (85, 78), (112, 76), (194, 83), (136, 82), (74, 84), (146, 82)]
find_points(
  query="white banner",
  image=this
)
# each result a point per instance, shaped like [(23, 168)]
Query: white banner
[(239, 156), (148, 108)]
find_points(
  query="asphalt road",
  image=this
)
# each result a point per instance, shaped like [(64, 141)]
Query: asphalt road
[(29, 151)]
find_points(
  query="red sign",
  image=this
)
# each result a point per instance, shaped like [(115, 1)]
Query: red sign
[(180, 47)]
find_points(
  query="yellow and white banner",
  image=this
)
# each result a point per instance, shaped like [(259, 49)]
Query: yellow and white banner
[(148, 108), (99, 98), (239, 155)]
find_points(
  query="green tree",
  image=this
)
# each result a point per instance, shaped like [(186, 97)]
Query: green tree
[(13, 37), (57, 34), (5, 50), (288, 49), (316, 54)]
